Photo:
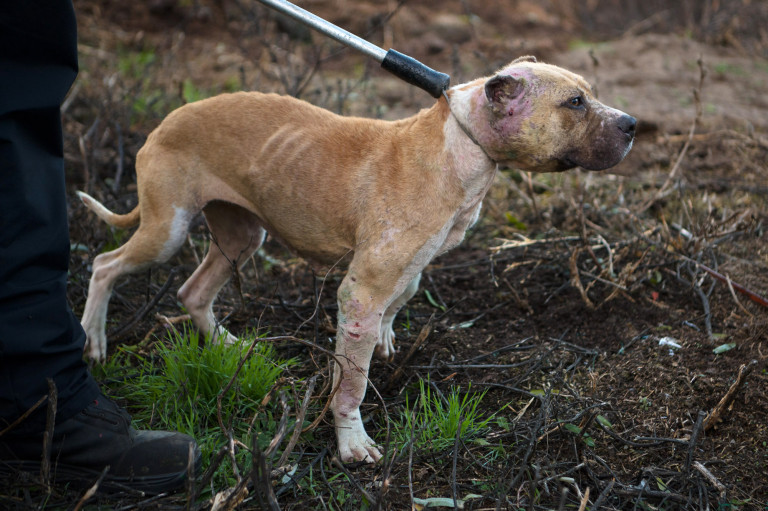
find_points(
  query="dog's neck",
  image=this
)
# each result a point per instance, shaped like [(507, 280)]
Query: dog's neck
[(464, 128)]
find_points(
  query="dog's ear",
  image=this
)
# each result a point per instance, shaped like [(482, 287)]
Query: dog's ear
[(502, 88), (525, 58)]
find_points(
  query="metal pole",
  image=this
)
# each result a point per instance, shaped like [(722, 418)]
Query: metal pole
[(327, 28), (402, 66)]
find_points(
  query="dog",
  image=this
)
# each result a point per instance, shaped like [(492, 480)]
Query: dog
[(390, 194)]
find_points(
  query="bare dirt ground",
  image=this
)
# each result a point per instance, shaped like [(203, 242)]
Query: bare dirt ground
[(562, 298)]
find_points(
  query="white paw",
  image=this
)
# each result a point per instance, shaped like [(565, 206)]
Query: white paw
[(95, 349), (356, 445), (222, 335), (230, 339), (385, 346)]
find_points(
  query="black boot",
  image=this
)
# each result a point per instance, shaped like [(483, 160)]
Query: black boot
[(100, 436)]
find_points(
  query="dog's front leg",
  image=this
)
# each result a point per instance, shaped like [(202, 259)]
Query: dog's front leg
[(359, 324)]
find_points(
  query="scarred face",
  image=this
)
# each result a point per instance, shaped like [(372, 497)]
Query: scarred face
[(542, 118)]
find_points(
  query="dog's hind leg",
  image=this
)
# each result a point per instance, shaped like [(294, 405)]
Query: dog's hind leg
[(385, 347), (236, 235), (153, 242)]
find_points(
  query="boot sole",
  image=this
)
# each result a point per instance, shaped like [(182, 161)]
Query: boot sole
[(62, 474)]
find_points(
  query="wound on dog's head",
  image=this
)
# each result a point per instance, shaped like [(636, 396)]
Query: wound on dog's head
[(503, 88)]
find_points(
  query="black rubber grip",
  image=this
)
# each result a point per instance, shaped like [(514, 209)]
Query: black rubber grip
[(416, 73)]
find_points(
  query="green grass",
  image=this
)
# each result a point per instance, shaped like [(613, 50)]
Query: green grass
[(434, 421), (177, 389)]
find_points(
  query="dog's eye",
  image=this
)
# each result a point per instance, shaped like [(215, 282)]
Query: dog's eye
[(575, 102)]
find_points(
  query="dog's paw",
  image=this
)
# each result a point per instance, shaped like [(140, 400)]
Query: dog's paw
[(93, 350), (230, 339), (221, 335), (385, 347), (356, 445)]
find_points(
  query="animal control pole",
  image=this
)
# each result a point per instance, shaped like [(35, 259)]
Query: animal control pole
[(400, 65)]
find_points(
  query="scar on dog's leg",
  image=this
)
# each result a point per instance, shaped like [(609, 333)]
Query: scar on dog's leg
[(359, 325), (364, 296), (148, 245), (236, 235), (385, 347)]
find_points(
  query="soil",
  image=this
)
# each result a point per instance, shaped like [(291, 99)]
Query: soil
[(568, 322)]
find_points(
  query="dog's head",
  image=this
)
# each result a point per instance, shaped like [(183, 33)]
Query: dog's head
[(543, 118)]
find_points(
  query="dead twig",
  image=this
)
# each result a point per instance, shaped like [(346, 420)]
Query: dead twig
[(656, 494), (92, 490), (697, 429), (584, 500), (282, 428), (386, 479), (162, 321), (123, 331), (373, 502), (711, 478), (260, 477), (190, 483), (717, 412), (229, 499), (603, 495), (294, 479), (531, 193), (300, 414), (527, 242), (24, 415), (532, 443), (576, 281), (50, 421), (232, 382), (753, 140), (604, 281), (736, 298), (398, 373), (723, 278), (661, 192), (534, 487), (216, 461), (699, 292), (86, 169)]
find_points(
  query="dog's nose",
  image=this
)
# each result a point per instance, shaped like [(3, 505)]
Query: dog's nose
[(627, 124)]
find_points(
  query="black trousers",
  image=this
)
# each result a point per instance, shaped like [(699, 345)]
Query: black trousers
[(39, 336)]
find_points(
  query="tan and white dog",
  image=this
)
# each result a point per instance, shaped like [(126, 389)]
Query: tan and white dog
[(392, 194)]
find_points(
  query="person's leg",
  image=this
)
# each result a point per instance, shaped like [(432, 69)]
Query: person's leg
[(39, 336)]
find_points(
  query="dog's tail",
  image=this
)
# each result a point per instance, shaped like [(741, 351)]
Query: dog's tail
[(113, 219)]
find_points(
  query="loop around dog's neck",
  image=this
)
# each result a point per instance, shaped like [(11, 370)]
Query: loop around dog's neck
[(465, 129)]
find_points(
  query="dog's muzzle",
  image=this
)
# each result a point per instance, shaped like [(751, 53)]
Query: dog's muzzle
[(608, 146)]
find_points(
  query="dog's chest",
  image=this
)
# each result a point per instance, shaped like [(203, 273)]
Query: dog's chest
[(463, 221), (468, 214)]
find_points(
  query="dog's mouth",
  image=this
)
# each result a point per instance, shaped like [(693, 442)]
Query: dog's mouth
[(603, 155), (566, 163)]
